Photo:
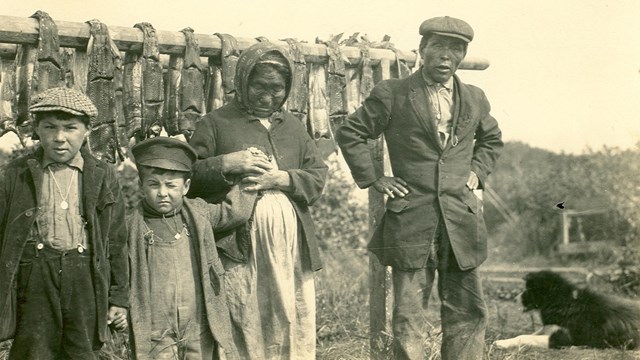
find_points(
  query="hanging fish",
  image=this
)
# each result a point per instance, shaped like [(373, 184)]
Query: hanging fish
[(319, 125), (298, 100), (132, 94), (152, 84), (102, 52), (173, 78), (213, 91), (118, 95), (229, 59), (49, 70), (191, 90), (364, 70), (38, 68), (336, 81), (7, 94)]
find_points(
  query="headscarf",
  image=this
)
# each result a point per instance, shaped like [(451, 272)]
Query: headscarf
[(261, 52)]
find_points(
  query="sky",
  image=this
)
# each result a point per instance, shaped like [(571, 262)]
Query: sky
[(564, 75)]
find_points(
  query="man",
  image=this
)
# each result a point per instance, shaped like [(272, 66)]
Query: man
[(443, 143)]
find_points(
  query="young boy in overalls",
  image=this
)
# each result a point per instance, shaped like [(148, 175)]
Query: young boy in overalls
[(178, 305), (63, 242)]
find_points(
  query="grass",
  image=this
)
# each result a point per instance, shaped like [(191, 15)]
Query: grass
[(343, 319), (342, 294)]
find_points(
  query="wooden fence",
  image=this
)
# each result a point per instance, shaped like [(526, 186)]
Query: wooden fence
[(146, 82)]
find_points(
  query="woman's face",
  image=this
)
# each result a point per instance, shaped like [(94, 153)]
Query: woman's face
[(266, 91)]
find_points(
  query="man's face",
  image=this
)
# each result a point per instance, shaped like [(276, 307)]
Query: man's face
[(164, 191), (61, 139), (442, 56)]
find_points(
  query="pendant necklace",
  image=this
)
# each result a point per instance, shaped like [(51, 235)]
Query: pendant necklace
[(64, 204), (177, 236)]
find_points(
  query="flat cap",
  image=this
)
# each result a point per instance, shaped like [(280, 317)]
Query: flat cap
[(447, 26), (164, 153), (63, 99)]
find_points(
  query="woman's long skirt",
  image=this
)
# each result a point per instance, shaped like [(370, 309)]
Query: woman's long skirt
[(271, 297)]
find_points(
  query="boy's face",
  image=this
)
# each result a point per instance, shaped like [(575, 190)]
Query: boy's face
[(61, 139), (163, 191)]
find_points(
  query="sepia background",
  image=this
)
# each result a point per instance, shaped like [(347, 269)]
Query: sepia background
[(564, 84)]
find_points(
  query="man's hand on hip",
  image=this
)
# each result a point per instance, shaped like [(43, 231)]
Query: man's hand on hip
[(473, 181), (392, 186)]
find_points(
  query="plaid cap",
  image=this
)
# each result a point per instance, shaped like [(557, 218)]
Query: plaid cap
[(64, 99), (447, 26)]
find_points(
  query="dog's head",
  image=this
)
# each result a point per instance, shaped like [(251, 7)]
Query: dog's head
[(543, 288)]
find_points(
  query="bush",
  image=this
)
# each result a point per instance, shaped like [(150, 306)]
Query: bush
[(341, 215)]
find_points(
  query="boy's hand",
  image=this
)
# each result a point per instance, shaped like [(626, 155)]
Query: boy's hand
[(117, 318)]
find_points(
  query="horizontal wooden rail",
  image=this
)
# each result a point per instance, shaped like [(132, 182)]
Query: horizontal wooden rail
[(19, 30)]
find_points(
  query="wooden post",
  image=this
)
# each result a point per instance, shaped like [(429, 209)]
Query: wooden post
[(566, 224), (380, 284)]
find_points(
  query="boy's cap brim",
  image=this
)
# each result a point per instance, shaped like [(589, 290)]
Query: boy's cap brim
[(164, 153)]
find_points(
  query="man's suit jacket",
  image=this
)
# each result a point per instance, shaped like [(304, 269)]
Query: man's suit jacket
[(400, 109)]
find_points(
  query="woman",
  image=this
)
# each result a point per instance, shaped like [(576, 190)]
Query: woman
[(270, 260)]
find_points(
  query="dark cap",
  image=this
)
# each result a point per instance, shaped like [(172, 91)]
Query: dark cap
[(447, 26), (164, 153), (64, 99)]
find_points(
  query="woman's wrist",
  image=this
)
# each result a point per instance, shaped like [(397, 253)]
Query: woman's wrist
[(283, 180)]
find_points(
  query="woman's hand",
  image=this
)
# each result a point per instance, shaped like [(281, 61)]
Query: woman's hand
[(275, 179), (391, 186), (245, 162)]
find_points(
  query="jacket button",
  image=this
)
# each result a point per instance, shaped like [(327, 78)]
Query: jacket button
[(441, 161), (28, 213)]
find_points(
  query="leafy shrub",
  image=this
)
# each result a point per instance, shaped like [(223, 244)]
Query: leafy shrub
[(341, 215)]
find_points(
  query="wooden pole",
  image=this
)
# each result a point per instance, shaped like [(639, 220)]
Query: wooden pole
[(565, 228), (380, 277), (19, 30)]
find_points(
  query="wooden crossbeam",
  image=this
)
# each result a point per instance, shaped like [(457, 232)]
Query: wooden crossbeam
[(19, 30)]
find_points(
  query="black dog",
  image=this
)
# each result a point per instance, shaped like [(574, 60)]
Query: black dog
[(573, 316)]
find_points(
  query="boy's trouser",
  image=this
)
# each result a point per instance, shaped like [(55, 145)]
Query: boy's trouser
[(56, 306), (463, 310)]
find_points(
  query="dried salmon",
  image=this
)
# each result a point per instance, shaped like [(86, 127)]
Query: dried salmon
[(37, 68), (319, 124), (229, 60), (102, 53), (152, 82), (7, 94), (298, 101), (336, 81), (132, 91), (213, 92), (191, 91)]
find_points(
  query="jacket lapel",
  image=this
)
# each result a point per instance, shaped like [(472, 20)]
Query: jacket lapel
[(92, 179), (462, 111), (35, 168), (420, 103)]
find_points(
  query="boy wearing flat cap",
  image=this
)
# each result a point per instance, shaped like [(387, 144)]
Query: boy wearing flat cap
[(178, 304), (443, 143), (63, 241)]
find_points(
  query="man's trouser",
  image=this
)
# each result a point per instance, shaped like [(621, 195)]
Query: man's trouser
[(463, 310), (56, 306)]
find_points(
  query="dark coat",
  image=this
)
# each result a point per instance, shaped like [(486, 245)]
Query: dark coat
[(107, 234), (201, 218), (230, 129), (399, 109)]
